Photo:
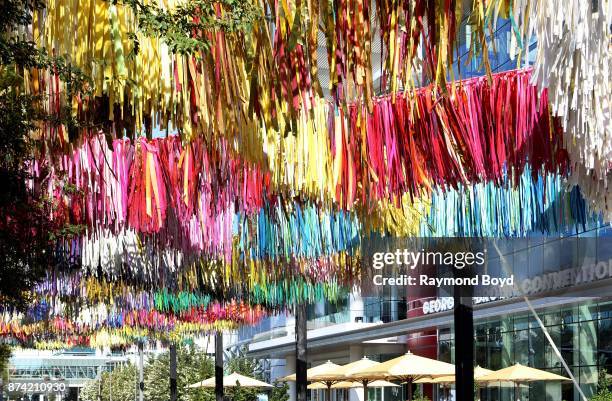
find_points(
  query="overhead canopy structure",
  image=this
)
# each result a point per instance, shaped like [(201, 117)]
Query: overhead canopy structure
[(232, 380), (185, 234)]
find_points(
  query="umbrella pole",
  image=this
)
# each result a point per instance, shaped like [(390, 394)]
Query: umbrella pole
[(365, 390), (516, 391), (328, 391), (409, 389)]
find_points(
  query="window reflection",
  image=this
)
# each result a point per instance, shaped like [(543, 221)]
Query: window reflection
[(582, 333)]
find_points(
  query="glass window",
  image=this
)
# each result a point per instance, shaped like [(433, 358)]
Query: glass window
[(521, 265), (568, 252), (536, 261), (552, 317), (605, 310), (521, 347), (494, 351), (551, 358), (537, 348), (480, 350), (587, 251), (375, 394), (604, 351), (569, 333), (445, 351), (552, 255), (588, 380)]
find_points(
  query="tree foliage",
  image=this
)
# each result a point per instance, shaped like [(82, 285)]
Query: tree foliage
[(185, 29), (192, 366), (279, 393), (5, 355), (26, 229), (246, 366), (118, 385), (603, 393)]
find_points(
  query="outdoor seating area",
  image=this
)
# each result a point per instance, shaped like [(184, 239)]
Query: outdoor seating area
[(410, 369)]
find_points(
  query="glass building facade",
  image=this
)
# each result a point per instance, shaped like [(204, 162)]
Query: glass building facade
[(581, 332)]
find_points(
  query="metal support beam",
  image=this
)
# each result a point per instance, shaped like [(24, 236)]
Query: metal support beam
[(173, 386), (300, 352), (140, 371), (464, 343), (219, 366)]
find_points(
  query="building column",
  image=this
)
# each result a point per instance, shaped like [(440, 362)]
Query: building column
[(290, 369), (355, 354)]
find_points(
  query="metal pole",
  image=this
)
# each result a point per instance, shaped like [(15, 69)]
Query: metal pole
[(464, 338), (300, 352), (219, 366), (140, 371), (110, 384), (173, 393), (516, 393), (409, 389)]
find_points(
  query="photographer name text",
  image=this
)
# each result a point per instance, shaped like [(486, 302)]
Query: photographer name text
[(425, 280)]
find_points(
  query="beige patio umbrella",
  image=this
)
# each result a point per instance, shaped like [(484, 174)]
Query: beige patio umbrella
[(445, 381), (316, 386), (340, 385), (408, 367), (348, 385), (323, 370), (232, 380), (518, 374), (478, 372), (436, 380), (344, 373)]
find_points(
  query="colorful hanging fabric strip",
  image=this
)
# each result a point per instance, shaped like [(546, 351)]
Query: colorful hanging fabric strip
[(537, 204), (573, 59)]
